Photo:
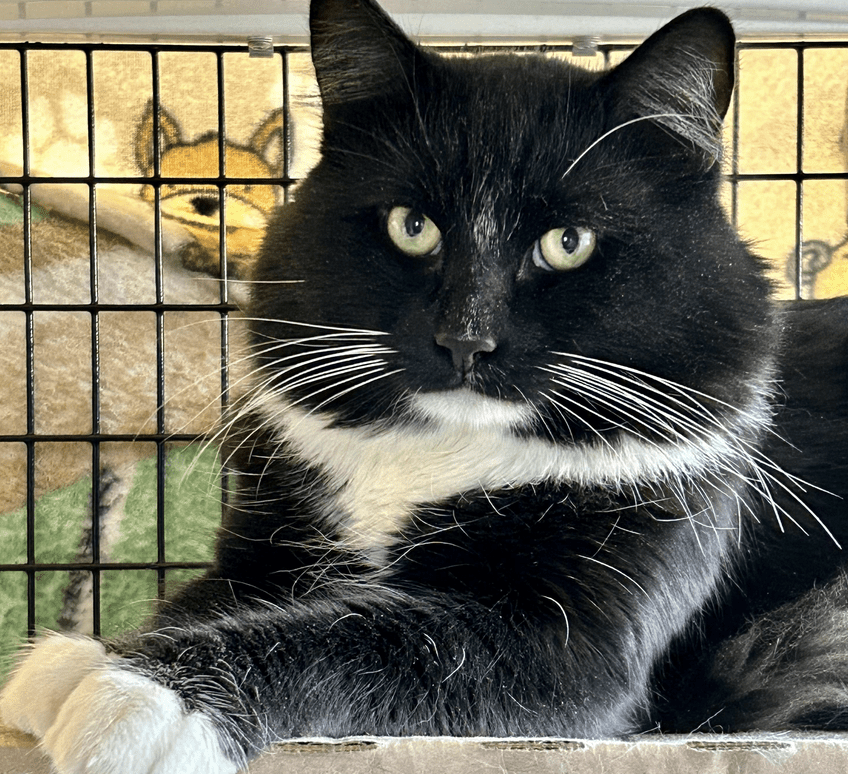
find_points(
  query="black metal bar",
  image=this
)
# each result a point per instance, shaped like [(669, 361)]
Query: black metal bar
[(30, 351), (734, 149), (160, 330), (795, 177), (804, 45), (287, 139), (99, 437), (157, 47), (157, 180), (97, 566), (95, 349), (156, 140), (222, 173), (799, 185), (156, 308), (223, 255)]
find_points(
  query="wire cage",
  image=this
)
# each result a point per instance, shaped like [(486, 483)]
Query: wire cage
[(129, 242), (135, 181)]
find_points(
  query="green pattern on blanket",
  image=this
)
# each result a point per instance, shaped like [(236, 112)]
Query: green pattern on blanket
[(11, 210), (192, 512)]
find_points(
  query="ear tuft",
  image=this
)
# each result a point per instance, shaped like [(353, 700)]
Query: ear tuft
[(683, 76), (357, 50)]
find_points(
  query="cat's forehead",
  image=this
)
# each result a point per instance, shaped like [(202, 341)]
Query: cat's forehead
[(511, 118), (497, 88)]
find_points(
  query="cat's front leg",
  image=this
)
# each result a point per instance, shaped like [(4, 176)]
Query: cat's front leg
[(95, 715)]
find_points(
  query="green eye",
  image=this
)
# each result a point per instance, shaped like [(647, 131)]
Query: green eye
[(413, 233), (563, 249)]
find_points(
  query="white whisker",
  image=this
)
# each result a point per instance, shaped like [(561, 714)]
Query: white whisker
[(615, 129), (680, 415)]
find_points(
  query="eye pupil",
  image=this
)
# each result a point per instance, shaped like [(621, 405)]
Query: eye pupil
[(414, 224), (205, 205), (570, 240)]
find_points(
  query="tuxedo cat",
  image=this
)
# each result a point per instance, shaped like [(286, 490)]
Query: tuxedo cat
[(528, 448)]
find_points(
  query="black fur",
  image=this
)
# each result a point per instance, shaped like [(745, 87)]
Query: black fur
[(567, 604)]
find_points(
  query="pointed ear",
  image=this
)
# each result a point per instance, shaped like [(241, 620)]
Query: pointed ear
[(169, 132), (357, 50), (683, 76)]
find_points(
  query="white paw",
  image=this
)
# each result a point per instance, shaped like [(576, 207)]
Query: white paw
[(96, 718), (32, 698)]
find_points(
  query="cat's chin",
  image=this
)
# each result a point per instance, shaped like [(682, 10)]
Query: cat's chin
[(466, 408)]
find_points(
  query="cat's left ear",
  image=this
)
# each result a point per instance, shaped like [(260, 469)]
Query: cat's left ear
[(682, 78), (357, 50)]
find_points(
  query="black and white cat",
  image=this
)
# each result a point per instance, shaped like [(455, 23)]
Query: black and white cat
[(528, 448)]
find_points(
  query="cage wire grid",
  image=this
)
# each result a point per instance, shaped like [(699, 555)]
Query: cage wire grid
[(31, 567)]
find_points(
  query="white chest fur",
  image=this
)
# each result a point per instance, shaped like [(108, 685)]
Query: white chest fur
[(382, 474)]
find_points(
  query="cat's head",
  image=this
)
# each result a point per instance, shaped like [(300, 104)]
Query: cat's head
[(510, 240)]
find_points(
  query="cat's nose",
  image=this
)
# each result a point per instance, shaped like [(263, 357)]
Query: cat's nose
[(465, 349)]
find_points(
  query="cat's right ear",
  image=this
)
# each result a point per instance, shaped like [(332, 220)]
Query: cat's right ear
[(357, 50)]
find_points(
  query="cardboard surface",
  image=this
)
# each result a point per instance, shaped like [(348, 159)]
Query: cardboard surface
[(707, 754)]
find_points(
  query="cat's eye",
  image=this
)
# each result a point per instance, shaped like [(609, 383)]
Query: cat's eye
[(413, 232), (563, 249)]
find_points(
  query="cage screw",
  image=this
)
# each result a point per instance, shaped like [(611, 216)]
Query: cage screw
[(260, 46), (585, 46)]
